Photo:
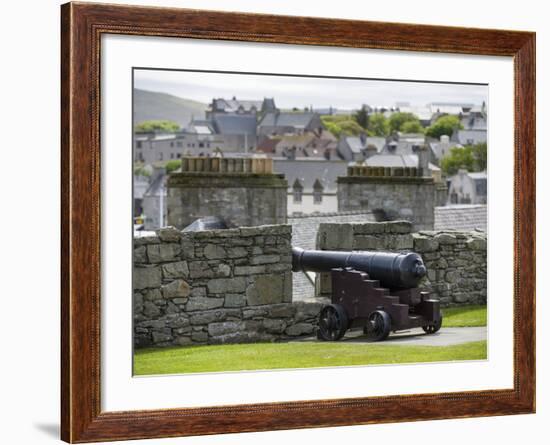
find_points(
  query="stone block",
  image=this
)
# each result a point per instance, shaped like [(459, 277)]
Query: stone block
[(206, 317), (335, 236), (477, 244), (226, 285), (214, 251), (266, 289), (177, 288), (237, 252), (285, 310), (144, 240), (177, 321), (446, 238), (152, 295), (424, 243), (274, 326), (200, 269), (369, 242), (369, 228), (146, 277), (175, 270), (307, 310), (183, 340), (264, 259), (226, 327), (187, 247), (161, 253), (299, 329), (399, 227), (222, 270), (399, 242), (150, 309), (235, 300), (169, 234), (140, 254), (249, 270), (199, 336), (164, 335), (203, 303)]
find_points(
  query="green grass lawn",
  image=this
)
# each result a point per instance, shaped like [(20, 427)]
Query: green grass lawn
[(256, 356), (463, 316)]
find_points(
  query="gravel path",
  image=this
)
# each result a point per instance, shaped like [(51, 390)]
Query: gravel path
[(417, 337)]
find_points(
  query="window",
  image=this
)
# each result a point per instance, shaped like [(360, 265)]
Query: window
[(171, 155), (161, 156), (317, 196), (317, 192), (297, 190), (139, 144)]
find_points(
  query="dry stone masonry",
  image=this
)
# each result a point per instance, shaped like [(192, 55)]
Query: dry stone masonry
[(456, 260), (235, 285), (219, 286)]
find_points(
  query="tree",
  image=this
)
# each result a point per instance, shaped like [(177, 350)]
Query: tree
[(479, 152), (362, 117), (342, 124), (378, 125), (157, 125), (398, 119), (444, 125), (412, 127), (172, 165), (471, 157)]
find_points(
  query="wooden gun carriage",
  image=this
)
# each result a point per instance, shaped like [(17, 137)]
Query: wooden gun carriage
[(373, 290)]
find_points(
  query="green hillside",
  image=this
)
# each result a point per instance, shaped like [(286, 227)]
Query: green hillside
[(151, 105)]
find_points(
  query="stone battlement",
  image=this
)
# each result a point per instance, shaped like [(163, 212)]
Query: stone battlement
[(227, 165)]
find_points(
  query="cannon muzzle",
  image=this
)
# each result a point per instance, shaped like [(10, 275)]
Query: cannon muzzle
[(393, 270)]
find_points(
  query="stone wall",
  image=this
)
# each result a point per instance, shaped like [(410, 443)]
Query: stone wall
[(242, 191), (393, 198), (219, 286), (456, 260)]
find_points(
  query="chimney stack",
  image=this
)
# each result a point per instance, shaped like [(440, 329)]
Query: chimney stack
[(423, 161)]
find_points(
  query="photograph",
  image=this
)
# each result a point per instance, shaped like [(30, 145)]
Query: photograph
[(291, 221)]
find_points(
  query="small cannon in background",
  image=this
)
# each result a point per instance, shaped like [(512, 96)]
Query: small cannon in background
[(374, 290)]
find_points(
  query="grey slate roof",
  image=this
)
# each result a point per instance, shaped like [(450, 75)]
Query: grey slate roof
[(307, 170), (235, 123), (304, 234), (286, 119), (461, 217), (357, 145), (466, 137), (387, 160)]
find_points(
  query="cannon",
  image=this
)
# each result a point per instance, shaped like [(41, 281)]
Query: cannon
[(377, 291)]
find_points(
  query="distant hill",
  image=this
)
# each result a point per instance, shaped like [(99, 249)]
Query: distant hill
[(149, 105)]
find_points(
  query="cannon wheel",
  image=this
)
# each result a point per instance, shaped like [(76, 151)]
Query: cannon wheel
[(378, 327), (433, 328), (333, 323)]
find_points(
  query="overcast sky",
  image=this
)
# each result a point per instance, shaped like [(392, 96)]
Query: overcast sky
[(300, 91)]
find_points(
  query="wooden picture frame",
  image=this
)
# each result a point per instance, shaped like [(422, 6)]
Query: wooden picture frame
[(82, 26)]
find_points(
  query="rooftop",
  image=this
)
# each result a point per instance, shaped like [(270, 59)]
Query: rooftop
[(461, 217)]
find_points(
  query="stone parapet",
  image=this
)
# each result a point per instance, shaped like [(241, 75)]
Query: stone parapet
[(456, 260), (217, 286)]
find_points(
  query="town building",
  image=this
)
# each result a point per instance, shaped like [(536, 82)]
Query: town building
[(354, 148), (311, 184), (469, 137), (289, 122), (467, 188)]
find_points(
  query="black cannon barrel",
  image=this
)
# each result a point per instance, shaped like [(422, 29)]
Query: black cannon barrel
[(394, 270)]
